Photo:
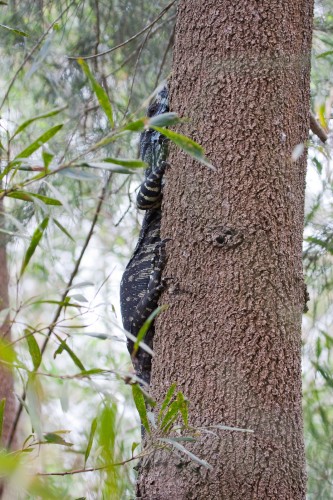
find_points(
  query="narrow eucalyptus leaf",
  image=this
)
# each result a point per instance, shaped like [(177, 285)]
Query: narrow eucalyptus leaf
[(167, 400), (181, 448), (54, 438), (33, 404), (186, 144), (93, 428), (26, 196), (119, 169), (63, 229), (39, 142), (137, 125), (101, 95), (64, 347), (145, 327), (79, 175), (36, 237), (140, 404), (163, 120), (34, 350), (18, 32), (126, 163), (134, 447), (26, 124)]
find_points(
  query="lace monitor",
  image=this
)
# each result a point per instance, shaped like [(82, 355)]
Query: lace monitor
[(141, 284)]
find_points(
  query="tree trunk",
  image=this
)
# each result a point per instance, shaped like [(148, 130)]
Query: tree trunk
[(231, 337), (6, 378)]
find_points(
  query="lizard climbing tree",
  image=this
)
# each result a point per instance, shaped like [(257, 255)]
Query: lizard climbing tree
[(231, 336)]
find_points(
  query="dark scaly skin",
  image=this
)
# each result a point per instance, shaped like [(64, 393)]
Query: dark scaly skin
[(141, 284)]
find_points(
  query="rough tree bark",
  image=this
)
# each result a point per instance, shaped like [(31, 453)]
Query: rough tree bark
[(231, 337)]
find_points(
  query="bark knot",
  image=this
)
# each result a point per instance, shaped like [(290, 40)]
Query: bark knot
[(224, 236)]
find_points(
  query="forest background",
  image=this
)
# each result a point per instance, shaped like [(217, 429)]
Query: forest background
[(69, 235)]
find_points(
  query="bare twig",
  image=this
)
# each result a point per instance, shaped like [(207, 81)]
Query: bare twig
[(64, 295), (170, 43), (93, 469), (149, 26), (137, 49), (136, 68), (98, 32), (317, 129), (32, 51)]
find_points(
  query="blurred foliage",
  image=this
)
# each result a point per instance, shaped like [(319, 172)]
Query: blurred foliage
[(318, 266), (56, 129), (78, 413)]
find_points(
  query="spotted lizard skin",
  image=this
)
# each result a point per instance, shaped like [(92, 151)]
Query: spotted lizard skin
[(142, 284)]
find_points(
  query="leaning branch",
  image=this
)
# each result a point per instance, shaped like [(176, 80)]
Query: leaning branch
[(317, 129)]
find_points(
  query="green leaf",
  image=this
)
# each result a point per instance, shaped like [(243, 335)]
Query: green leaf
[(170, 416), (119, 169), (26, 124), (33, 404), (163, 120), (47, 158), (64, 347), (36, 237), (18, 32), (101, 95), (137, 125), (318, 165), (9, 462), (181, 448), (324, 372), (34, 350), (186, 439), (134, 447), (93, 428), (186, 144), (107, 426), (39, 142), (324, 54), (140, 404), (79, 297), (25, 196), (126, 163), (54, 438), (7, 353), (145, 327), (183, 407), (2, 411), (327, 245), (63, 303), (79, 175), (93, 371), (167, 400), (64, 230)]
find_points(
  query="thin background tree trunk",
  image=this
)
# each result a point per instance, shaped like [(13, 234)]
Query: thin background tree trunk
[(6, 378), (231, 337)]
